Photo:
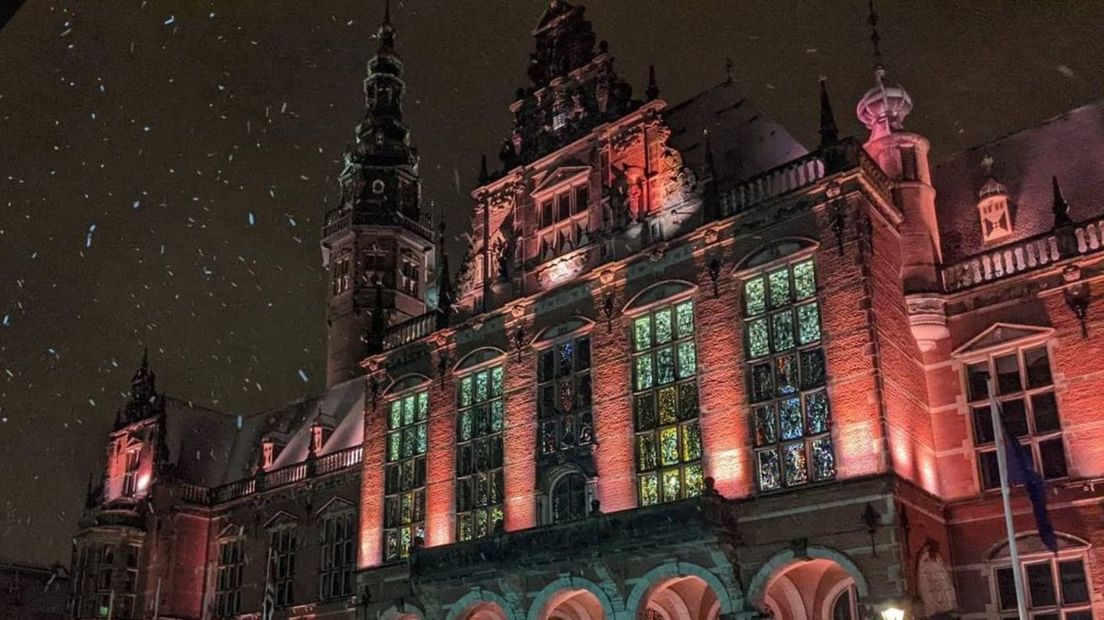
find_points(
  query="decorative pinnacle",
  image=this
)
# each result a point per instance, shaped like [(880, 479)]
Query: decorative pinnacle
[(987, 164), (875, 38), (484, 176), (829, 133), (652, 92), (1061, 207)]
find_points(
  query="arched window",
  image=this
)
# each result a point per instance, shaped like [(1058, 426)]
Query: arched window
[(844, 606), (564, 393), (786, 374), (480, 418), (569, 498), (405, 472)]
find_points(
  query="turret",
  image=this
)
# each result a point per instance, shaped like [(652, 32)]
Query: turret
[(376, 242)]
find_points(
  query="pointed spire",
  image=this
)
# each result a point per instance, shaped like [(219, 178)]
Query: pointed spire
[(145, 358), (875, 38), (710, 163), (1060, 206), (652, 92), (484, 176), (386, 30), (829, 133), (445, 295)]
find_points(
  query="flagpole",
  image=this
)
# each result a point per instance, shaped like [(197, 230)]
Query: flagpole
[(157, 600), (1002, 467)]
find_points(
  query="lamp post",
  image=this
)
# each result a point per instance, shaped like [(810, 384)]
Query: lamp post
[(892, 612)]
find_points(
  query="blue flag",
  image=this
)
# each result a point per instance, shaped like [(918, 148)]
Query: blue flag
[(1021, 470)]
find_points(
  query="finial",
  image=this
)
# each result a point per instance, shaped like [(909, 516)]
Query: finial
[(729, 68), (652, 92), (710, 165), (145, 358), (484, 176), (1060, 206), (829, 133), (875, 38), (387, 11), (987, 164)]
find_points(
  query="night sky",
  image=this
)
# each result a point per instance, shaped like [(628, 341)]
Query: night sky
[(164, 167)]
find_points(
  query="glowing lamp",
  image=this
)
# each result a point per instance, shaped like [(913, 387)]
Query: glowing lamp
[(893, 613), (143, 482)]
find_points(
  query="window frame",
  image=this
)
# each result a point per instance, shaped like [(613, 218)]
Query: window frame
[(1026, 394), (335, 579), (650, 310), (1054, 562), (130, 470), (577, 375), (555, 232), (418, 465), (228, 593), (494, 510), (283, 561), (763, 271)]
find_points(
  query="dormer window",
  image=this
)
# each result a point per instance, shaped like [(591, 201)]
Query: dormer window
[(563, 221), (996, 221)]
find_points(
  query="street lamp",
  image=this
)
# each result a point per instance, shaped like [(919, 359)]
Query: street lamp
[(893, 613)]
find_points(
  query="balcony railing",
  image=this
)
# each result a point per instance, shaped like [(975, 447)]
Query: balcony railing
[(1024, 256), (777, 181), (412, 329), (264, 481), (339, 221)]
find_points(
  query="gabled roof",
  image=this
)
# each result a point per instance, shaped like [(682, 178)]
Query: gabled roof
[(1070, 146)]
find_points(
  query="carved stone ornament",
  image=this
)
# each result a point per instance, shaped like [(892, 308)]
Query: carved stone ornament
[(562, 270), (517, 311), (504, 195), (927, 320), (712, 236), (625, 137), (935, 585), (606, 277)]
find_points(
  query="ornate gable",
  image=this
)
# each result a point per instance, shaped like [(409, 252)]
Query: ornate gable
[(281, 519), (559, 175), (336, 504), (1000, 334)]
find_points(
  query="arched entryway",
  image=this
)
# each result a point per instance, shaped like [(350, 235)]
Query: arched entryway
[(811, 589), (681, 598), (484, 611), (578, 604), (481, 605)]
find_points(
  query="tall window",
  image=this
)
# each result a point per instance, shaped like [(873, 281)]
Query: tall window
[(786, 376), (405, 476), (341, 275), (665, 403), (282, 542), (479, 421), (410, 272), (1024, 387), (1056, 588), (563, 377), (231, 564), (105, 579), (338, 556), (130, 475)]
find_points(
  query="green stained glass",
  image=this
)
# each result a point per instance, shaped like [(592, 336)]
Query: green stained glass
[(408, 440), (423, 405), (694, 480), (496, 515), (496, 381), (649, 490), (758, 340), (812, 368), (782, 326), (407, 507), (404, 538), (785, 374), (665, 365), (481, 386), (793, 464), (668, 411), (688, 400), (465, 425), (642, 333), (762, 382), (755, 296), (668, 446), (422, 439), (663, 326), (645, 452), (643, 364), (645, 411), (394, 446), (824, 461), (770, 471), (671, 485), (779, 287), (684, 316), (808, 323), (789, 415), (395, 419), (687, 359), (466, 529), (816, 412), (480, 523), (691, 442), (408, 410), (392, 546), (465, 395), (804, 279), (497, 414), (766, 432)]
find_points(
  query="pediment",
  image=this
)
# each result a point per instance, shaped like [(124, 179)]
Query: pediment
[(561, 175), (1001, 334), (281, 519), (336, 504), (232, 531)]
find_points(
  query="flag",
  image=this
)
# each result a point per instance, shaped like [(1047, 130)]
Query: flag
[(1021, 470), (268, 610)]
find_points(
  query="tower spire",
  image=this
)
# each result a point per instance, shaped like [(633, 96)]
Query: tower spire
[(875, 38), (829, 133), (652, 92)]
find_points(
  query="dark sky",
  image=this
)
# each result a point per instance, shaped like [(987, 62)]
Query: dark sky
[(166, 124)]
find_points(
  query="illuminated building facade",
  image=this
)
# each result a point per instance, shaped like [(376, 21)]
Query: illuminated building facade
[(688, 369)]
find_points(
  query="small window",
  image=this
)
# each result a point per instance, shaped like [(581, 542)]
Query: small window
[(581, 198), (569, 498), (1055, 587), (909, 169)]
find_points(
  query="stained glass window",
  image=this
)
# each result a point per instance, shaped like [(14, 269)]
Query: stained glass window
[(1022, 383), (665, 404), (405, 473), (564, 396), (790, 412), (480, 420)]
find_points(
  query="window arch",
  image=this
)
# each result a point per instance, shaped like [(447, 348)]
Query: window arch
[(568, 498), (564, 389), (480, 419), (405, 471), (776, 250)]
